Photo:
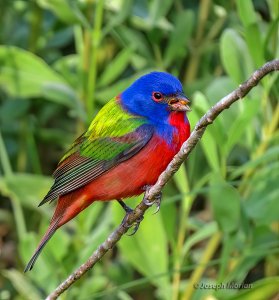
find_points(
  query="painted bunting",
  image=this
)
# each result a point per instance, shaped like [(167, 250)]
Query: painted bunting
[(128, 144)]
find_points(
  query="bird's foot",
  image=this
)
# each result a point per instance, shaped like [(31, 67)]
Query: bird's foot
[(134, 226), (156, 201), (129, 211), (125, 207)]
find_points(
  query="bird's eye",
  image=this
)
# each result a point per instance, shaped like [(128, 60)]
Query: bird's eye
[(157, 96)]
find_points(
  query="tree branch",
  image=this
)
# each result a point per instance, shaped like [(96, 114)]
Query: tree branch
[(179, 158)]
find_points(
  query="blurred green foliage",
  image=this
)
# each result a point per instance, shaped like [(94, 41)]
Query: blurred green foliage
[(60, 61)]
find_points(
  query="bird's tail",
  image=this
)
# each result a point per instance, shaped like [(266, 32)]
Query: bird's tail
[(50, 232), (68, 206)]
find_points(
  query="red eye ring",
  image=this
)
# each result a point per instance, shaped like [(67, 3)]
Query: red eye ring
[(157, 96)]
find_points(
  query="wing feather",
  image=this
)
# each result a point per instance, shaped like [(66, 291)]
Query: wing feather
[(89, 159)]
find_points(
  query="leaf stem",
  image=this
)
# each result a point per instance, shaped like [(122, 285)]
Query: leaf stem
[(93, 64), (194, 60), (5, 162), (7, 169), (197, 274), (269, 131), (182, 230), (36, 26)]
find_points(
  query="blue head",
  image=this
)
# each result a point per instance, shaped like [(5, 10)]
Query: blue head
[(155, 96)]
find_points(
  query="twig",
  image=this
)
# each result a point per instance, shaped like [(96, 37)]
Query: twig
[(179, 158)]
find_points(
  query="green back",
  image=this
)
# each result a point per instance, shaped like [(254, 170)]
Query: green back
[(110, 122)]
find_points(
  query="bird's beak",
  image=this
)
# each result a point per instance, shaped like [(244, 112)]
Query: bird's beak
[(179, 103)]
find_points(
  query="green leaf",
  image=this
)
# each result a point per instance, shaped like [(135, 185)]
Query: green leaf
[(269, 169), (23, 74), (179, 39), (235, 57), (12, 110), (22, 284), (115, 67), (87, 220), (225, 201), (98, 235), (66, 10), (63, 94), (29, 189), (168, 212), (263, 240), (62, 239), (241, 123), (68, 66), (228, 243), (262, 204), (60, 38), (201, 234), (246, 12), (269, 155), (50, 260), (244, 264), (158, 9), (122, 11), (139, 44), (27, 245), (90, 286), (208, 141), (255, 44), (24, 190), (266, 288)]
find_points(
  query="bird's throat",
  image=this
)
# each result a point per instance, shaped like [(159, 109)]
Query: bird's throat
[(177, 118)]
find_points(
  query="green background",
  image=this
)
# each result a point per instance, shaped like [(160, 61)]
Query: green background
[(60, 61)]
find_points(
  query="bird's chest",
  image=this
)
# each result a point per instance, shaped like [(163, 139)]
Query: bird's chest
[(175, 132), (180, 135), (161, 149)]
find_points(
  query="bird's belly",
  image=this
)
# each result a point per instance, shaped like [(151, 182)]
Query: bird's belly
[(129, 177)]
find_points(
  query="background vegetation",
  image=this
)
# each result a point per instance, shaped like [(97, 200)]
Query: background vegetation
[(60, 61)]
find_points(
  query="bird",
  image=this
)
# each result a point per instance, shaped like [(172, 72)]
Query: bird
[(127, 146)]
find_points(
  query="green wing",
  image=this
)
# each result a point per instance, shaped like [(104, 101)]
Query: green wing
[(113, 137)]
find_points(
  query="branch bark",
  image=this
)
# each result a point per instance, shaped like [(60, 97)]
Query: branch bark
[(174, 165)]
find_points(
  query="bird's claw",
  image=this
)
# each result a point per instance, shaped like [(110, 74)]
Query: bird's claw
[(156, 201), (129, 211), (158, 205), (136, 224)]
